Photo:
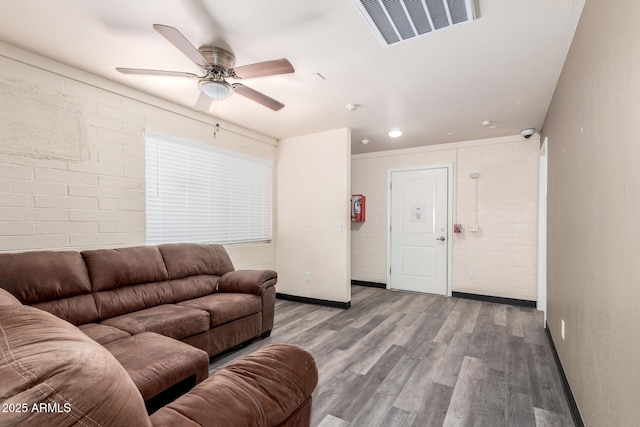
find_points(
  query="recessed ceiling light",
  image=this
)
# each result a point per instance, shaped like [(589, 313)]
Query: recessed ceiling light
[(450, 133), (486, 123), (395, 133), (353, 107), (364, 141)]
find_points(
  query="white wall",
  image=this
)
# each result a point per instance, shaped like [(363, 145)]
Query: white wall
[(313, 199), (72, 157), (503, 254)]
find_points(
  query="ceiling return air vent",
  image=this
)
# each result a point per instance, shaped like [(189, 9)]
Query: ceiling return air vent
[(394, 21)]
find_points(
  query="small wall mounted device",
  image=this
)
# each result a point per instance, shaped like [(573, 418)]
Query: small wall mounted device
[(527, 132)]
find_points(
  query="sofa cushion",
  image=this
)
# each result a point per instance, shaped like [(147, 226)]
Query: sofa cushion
[(132, 298), (191, 259), (47, 362), (38, 276), (224, 308), (56, 282), (227, 336), (103, 334), (168, 319), (193, 287), (75, 310), (155, 362), (261, 389), (112, 268)]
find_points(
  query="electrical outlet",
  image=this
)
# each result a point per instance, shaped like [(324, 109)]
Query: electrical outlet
[(472, 274), (562, 328), (307, 276)]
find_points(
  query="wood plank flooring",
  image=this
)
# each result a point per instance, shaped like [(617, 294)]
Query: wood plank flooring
[(406, 359)]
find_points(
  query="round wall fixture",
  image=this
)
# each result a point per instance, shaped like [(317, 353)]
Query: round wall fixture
[(395, 133)]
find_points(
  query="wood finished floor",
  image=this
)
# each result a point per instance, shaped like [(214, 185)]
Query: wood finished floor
[(406, 359)]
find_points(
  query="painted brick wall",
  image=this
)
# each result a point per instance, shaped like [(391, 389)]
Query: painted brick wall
[(369, 175), (72, 172), (503, 253)]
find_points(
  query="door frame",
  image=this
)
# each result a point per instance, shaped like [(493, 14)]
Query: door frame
[(450, 185), (541, 303)]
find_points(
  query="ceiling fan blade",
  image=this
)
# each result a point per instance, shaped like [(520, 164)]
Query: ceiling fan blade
[(260, 98), (204, 102), (263, 69), (155, 72), (176, 38)]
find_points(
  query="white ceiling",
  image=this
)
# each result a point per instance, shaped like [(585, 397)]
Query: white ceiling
[(438, 88)]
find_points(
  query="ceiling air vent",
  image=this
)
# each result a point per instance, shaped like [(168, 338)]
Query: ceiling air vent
[(396, 20)]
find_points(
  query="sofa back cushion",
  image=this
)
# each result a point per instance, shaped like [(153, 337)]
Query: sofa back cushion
[(113, 268), (77, 310), (128, 299), (127, 279), (38, 276), (193, 287), (53, 374), (192, 259), (57, 282)]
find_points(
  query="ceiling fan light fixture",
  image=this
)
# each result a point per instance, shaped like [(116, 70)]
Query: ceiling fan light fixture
[(216, 89)]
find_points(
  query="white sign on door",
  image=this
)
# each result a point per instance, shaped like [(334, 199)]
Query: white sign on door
[(417, 213)]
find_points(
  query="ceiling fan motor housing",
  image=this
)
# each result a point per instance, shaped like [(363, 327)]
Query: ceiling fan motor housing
[(219, 57)]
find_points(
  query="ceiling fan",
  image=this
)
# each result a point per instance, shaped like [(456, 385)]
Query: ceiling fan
[(217, 64)]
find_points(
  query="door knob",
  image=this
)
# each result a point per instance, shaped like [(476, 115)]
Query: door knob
[(441, 238)]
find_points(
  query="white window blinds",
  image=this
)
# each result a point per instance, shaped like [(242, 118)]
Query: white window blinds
[(199, 193)]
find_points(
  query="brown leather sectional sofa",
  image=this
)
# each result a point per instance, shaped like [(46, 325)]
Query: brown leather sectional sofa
[(161, 312)]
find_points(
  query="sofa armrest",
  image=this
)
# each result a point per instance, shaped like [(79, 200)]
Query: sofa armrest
[(247, 281), (265, 388)]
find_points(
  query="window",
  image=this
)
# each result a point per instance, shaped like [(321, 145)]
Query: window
[(203, 194)]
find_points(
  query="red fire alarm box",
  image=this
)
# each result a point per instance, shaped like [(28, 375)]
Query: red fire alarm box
[(358, 207)]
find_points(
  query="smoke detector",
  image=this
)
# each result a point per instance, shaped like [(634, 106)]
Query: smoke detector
[(393, 21)]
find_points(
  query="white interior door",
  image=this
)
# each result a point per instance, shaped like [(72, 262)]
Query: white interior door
[(419, 230)]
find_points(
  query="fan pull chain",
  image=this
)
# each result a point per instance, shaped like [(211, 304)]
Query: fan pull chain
[(215, 112)]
